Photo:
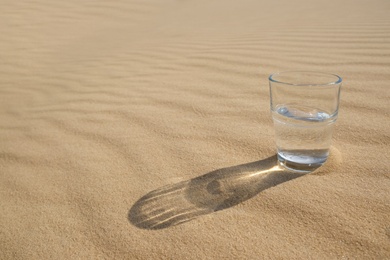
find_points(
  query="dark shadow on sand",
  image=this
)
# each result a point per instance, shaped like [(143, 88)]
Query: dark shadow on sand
[(217, 190)]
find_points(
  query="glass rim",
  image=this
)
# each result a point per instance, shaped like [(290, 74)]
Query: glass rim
[(337, 80)]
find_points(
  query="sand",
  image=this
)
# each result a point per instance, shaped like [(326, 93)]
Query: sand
[(141, 130)]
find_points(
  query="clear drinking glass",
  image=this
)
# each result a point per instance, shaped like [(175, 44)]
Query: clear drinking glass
[(304, 108)]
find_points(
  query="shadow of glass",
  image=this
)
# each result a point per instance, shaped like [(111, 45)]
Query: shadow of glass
[(217, 190)]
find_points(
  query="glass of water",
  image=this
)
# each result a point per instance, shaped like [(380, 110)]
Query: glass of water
[(304, 108)]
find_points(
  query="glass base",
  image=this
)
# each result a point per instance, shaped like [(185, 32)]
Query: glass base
[(298, 167)]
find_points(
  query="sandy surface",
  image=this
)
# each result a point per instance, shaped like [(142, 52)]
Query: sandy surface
[(141, 130)]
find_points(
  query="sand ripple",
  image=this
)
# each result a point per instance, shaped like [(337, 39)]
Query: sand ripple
[(102, 103)]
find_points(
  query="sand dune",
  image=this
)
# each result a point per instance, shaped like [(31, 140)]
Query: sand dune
[(141, 130)]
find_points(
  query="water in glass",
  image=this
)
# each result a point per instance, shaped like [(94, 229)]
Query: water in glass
[(303, 135)]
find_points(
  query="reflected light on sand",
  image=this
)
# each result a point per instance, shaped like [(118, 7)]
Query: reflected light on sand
[(220, 189)]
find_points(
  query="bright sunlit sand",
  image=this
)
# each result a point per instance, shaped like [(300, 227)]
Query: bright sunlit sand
[(142, 130)]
